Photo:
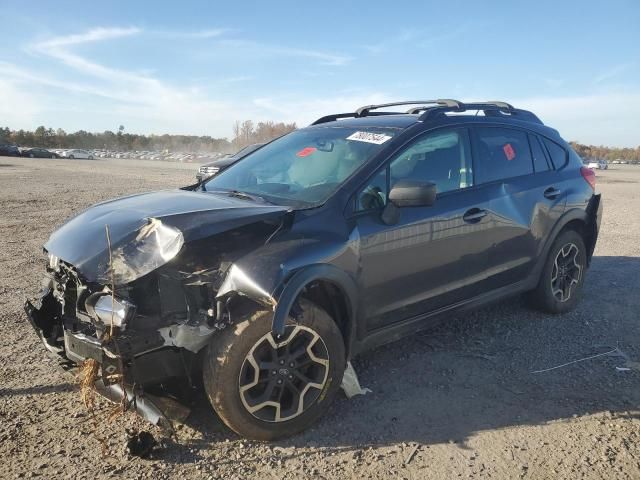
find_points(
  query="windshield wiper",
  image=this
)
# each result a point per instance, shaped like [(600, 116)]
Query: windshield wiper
[(240, 194), (245, 195)]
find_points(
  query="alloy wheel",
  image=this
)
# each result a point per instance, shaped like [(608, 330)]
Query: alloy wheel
[(281, 378), (566, 272)]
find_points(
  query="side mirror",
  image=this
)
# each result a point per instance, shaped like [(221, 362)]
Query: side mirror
[(413, 193), (408, 193)]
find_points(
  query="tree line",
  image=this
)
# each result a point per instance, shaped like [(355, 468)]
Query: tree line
[(607, 153), (245, 133)]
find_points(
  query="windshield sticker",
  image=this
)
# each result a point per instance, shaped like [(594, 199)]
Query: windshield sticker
[(369, 137), (306, 151), (509, 152)]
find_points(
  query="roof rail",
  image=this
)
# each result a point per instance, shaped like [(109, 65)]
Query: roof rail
[(364, 111), (431, 108), (490, 109)]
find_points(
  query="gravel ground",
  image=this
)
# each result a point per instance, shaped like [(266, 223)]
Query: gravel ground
[(457, 402)]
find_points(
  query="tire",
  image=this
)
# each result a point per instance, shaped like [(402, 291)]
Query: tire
[(71, 157), (553, 295), (90, 157), (31, 155), (228, 369)]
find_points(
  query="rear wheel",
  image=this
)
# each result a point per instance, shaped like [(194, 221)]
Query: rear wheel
[(563, 275), (265, 387)]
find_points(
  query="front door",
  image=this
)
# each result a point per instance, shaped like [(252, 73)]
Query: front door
[(435, 255)]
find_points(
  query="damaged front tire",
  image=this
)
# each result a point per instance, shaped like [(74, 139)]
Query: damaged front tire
[(265, 387)]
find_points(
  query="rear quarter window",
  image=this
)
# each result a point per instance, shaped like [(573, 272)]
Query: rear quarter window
[(540, 163), (559, 156), (501, 153)]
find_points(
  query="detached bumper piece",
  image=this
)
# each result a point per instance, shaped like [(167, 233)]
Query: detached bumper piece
[(70, 349), (160, 411)]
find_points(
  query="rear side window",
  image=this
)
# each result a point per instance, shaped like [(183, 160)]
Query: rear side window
[(501, 153), (557, 154), (539, 158)]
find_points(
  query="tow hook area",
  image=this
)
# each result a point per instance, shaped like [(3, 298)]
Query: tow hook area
[(160, 411)]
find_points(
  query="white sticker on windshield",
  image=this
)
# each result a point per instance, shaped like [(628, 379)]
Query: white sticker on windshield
[(369, 137)]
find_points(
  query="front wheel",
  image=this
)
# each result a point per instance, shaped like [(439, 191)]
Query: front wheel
[(264, 387), (71, 157), (561, 281)]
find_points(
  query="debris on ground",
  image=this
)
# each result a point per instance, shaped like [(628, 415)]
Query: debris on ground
[(350, 383), (140, 444), (577, 361)]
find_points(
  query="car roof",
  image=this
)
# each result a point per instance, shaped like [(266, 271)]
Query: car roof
[(404, 121), (435, 113)]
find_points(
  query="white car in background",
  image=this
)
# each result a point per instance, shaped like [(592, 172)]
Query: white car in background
[(598, 165), (77, 153)]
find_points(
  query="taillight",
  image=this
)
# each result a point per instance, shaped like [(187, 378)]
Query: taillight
[(589, 175)]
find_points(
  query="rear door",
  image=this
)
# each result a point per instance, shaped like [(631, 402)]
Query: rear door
[(513, 166)]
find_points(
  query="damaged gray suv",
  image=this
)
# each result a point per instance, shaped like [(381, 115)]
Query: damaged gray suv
[(262, 282)]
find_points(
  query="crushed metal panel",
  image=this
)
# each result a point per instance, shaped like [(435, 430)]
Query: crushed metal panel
[(189, 337), (238, 281), (154, 245)]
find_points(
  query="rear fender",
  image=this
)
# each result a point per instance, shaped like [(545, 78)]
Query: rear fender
[(569, 216)]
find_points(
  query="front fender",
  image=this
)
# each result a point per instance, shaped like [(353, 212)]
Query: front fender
[(304, 277)]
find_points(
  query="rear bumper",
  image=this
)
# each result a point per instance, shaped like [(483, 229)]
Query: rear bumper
[(594, 216)]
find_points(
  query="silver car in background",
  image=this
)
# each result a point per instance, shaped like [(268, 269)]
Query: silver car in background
[(77, 153)]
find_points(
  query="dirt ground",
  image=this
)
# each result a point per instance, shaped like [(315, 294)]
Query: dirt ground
[(457, 402)]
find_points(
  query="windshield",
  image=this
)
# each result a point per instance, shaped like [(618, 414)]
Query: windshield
[(302, 168)]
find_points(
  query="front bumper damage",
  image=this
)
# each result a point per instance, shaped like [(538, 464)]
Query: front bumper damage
[(132, 366)]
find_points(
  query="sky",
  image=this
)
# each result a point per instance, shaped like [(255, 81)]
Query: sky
[(196, 67)]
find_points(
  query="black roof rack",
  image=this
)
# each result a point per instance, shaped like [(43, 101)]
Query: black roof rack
[(430, 108), (364, 111)]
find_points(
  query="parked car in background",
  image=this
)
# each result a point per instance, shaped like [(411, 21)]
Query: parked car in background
[(7, 150), (37, 153), (77, 153), (208, 170), (265, 281), (598, 165)]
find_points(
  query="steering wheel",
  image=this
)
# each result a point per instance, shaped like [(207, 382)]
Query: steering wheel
[(372, 198)]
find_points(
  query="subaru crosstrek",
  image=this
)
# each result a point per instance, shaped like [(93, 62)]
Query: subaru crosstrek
[(262, 282)]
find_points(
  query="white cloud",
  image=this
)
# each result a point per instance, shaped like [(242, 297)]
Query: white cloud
[(17, 106), (209, 33), (613, 72), (93, 35), (603, 118), (256, 49)]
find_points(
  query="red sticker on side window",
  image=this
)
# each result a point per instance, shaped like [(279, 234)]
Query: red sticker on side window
[(509, 152), (305, 152)]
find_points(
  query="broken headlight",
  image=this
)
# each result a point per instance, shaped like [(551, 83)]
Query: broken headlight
[(54, 262), (110, 310)]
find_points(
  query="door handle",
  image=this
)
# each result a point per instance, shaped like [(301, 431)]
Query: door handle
[(474, 215), (552, 193)]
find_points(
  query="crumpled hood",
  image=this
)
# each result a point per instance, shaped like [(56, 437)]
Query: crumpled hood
[(82, 241)]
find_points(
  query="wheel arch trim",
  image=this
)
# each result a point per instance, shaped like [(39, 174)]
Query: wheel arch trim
[(296, 284)]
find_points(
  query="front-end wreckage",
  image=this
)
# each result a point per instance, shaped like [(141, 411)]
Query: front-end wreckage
[(141, 284)]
